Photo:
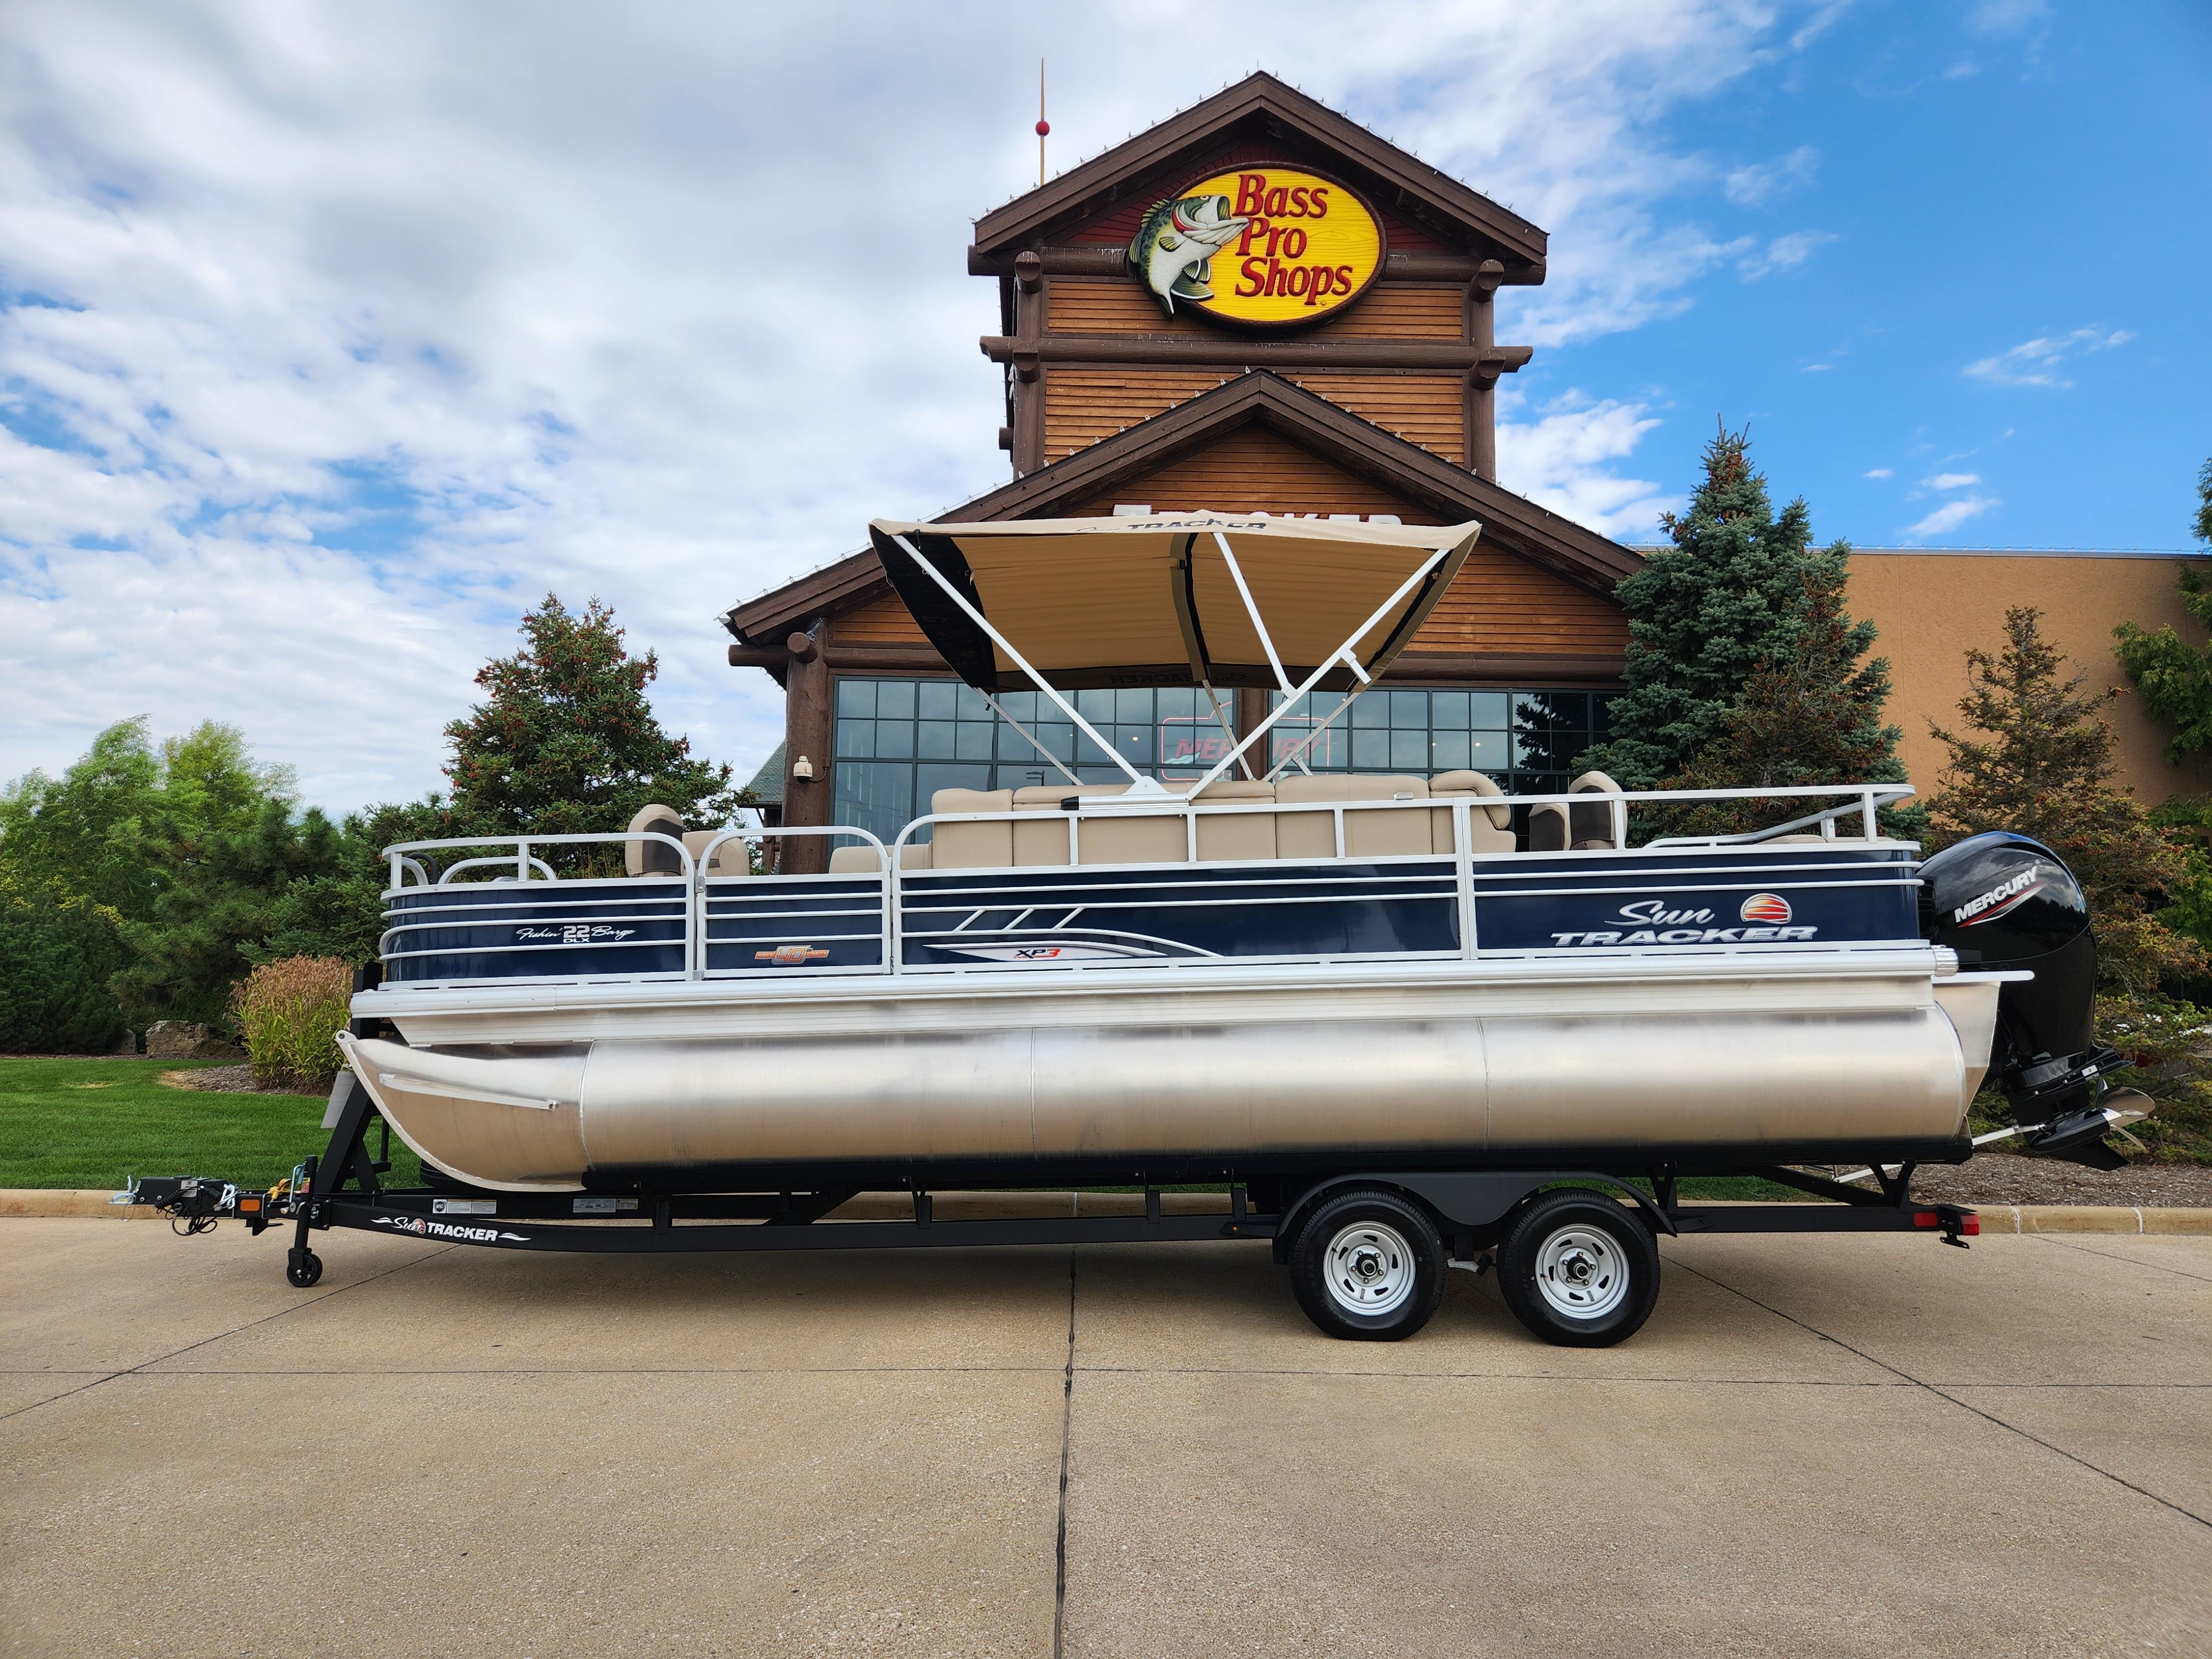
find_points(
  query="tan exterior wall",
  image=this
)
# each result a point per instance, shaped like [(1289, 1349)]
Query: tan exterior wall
[(1932, 607)]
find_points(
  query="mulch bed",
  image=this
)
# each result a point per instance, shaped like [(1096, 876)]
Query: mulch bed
[(221, 1079), (2009, 1178)]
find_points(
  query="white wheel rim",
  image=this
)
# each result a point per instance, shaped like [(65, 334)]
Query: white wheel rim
[(1581, 1272), (1369, 1269)]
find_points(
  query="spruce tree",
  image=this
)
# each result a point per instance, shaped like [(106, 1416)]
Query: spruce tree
[(1810, 713), (2035, 756), (1703, 615)]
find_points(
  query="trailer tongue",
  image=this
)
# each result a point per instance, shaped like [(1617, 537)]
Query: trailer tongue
[(1403, 1023)]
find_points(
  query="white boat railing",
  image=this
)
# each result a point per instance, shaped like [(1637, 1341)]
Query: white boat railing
[(519, 856)]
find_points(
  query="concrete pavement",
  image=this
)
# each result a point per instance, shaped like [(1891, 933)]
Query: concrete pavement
[(1817, 1446)]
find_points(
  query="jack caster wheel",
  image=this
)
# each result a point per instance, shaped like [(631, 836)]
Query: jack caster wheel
[(1579, 1270), (1368, 1265), (303, 1269)]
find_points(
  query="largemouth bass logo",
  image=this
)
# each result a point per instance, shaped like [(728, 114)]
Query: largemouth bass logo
[(1267, 244), (1175, 245)]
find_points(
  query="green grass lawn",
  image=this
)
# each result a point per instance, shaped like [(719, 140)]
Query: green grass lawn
[(96, 1123)]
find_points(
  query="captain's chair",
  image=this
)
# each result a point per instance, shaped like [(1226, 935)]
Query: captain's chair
[(653, 858), (1553, 828)]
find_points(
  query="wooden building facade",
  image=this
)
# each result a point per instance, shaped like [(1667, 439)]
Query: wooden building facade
[(1257, 378)]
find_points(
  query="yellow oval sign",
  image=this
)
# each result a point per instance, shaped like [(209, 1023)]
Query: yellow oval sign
[(1268, 247)]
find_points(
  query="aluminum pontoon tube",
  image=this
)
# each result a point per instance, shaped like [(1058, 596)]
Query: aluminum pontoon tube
[(1486, 1083)]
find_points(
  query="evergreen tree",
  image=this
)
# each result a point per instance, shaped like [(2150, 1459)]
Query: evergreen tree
[(2035, 758), (1703, 615), (2203, 525), (1811, 713), (220, 890), (565, 741)]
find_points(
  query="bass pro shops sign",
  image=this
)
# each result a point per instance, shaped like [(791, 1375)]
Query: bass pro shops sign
[(1266, 247)]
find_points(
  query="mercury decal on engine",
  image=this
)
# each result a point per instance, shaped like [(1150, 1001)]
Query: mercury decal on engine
[(2007, 895), (1655, 921)]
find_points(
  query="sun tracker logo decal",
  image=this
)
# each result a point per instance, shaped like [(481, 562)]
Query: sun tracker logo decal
[(1765, 907)]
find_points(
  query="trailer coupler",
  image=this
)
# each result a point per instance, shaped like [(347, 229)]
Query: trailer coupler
[(194, 1204)]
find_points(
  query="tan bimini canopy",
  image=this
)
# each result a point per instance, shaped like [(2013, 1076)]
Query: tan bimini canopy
[(1153, 601)]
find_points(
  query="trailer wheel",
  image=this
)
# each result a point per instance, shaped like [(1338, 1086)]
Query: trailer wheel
[(1368, 1265), (302, 1268), (1579, 1270)]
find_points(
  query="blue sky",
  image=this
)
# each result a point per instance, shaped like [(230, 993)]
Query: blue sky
[(2005, 255), (330, 337)]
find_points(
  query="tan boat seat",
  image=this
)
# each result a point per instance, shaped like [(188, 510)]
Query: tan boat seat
[(972, 846), (1554, 827), (1237, 835), (653, 858), (862, 859), (731, 858), (1491, 828), (1044, 841), (1366, 835)]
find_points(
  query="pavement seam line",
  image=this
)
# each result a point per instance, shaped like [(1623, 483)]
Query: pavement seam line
[(2125, 1261), (133, 1370), (1066, 1423), (1963, 1405)]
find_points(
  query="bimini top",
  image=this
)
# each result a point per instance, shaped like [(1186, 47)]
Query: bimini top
[(1156, 600)]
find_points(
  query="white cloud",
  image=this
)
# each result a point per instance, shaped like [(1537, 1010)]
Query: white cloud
[(1952, 481), (1766, 181), (331, 337), (1949, 516), (2036, 362), (1994, 17), (1881, 472), (1816, 368), (1782, 253), (1563, 460)]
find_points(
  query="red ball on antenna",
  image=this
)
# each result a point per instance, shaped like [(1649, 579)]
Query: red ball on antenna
[(1043, 127)]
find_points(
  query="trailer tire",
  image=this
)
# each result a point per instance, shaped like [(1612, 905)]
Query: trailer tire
[(1368, 1265), (1578, 1269)]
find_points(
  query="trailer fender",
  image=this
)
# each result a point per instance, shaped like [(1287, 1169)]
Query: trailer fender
[(1468, 1200)]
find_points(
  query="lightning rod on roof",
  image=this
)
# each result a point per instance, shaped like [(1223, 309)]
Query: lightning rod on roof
[(1043, 126)]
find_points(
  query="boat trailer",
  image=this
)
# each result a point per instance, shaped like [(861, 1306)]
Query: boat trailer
[(341, 1188)]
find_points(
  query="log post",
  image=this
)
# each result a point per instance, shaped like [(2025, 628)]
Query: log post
[(1482, 378), (808, 791), (1031, 299)]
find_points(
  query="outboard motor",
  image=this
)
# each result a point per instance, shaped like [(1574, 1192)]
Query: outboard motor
[(2003, 901)]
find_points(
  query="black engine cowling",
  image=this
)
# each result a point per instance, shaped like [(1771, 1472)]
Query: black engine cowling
[(2003, 901)]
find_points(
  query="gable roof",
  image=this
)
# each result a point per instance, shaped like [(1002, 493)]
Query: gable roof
[(1509, 521), (1261, 108)]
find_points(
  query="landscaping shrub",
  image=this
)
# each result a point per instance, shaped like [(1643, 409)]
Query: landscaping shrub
[(289, 1013), (56, 954)]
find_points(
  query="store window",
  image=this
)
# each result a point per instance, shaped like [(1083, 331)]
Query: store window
[(899, 741), (1528, 740)]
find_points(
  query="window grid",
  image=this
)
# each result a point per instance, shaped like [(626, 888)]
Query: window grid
[(898, 741)]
